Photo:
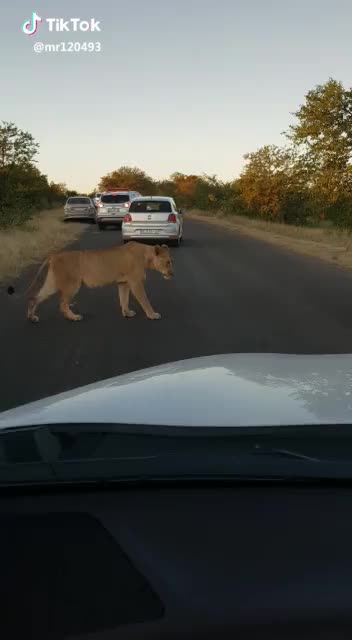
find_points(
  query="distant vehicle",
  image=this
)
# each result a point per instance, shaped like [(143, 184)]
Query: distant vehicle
[(153, 218), (79, 208), (113, 205), (97, 197)]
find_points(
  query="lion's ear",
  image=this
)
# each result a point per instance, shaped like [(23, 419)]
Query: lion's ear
[(157, 249)]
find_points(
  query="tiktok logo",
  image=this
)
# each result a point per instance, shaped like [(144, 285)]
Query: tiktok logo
[(30, 26)]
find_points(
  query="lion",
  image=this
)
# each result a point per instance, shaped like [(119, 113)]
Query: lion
[(124, 265)]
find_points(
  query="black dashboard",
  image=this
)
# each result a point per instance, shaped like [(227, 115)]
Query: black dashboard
[(241, 561)]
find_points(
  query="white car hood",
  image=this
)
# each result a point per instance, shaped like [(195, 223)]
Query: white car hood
[(224, 390)]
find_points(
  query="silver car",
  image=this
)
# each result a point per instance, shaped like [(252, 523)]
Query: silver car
[(153, 218), (79, 208), (112, 206)]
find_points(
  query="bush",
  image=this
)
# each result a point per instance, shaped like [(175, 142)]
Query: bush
[(296, 209), (15, 211), (340, 213)]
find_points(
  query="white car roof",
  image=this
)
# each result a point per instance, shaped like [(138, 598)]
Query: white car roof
[(104, 193), (163, 198)]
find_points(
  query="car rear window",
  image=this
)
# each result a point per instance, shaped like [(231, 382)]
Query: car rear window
[(78, 201), (150, 206), (114, 199)]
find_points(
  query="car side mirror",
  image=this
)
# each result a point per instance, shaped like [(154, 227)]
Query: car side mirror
[(181, 211)]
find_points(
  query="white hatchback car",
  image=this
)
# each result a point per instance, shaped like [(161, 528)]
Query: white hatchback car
[(153, 218)]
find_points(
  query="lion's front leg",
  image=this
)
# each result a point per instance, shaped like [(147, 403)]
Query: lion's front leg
[(124, 294), (66, 311), (141, 296)]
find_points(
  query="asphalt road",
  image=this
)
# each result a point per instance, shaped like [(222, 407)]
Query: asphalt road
[(230, 293)]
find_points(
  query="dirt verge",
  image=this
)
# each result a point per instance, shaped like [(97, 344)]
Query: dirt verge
[(327, 244), (22, 246)]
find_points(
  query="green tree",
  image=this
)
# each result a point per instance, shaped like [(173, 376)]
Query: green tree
[(211, 193), (166, 188), (58, 188), (23, 188), (57, 193), (22, 191), (185, 187), (17, 148), (202, 192), (272, 179), (323, 134), (20, 181), (233, 202), (130, 178)]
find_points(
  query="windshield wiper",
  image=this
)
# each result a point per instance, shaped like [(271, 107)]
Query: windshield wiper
[(285, 453)]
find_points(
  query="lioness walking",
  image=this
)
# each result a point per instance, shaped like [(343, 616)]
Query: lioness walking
[(124, 265)]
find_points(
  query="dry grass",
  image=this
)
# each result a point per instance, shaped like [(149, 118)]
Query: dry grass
[(327, 244), (30, 243)]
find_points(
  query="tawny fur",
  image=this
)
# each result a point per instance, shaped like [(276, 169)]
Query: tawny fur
[(124, 265)]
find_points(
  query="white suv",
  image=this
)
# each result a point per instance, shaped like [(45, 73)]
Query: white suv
[(113, 205)]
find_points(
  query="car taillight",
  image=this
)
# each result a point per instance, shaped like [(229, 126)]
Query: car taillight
[(127, 218), (171, 218)]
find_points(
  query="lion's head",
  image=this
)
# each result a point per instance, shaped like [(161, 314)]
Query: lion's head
[(162, 261)]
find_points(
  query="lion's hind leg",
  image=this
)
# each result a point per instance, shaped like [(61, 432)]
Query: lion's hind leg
[(66, 296), (68, 280), (47, 290)]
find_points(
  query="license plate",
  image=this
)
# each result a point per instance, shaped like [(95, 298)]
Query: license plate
[(149, 232)]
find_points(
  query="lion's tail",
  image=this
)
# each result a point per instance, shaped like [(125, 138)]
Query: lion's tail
[(11, 290)]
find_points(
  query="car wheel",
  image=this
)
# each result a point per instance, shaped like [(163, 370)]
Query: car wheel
[(175, 243)]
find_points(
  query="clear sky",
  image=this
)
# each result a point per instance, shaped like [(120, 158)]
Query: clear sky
[(186, 85)]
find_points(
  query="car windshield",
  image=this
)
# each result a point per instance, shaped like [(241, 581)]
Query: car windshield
[(176, 246), (150, 206), (115, 198), (73, 201)]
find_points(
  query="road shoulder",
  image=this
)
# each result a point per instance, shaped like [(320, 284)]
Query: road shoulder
[(24, 246), (329, 245)]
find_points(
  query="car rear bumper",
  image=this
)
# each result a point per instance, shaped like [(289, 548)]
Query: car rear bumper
[(134, 232), (80, 216), (110, 219)]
